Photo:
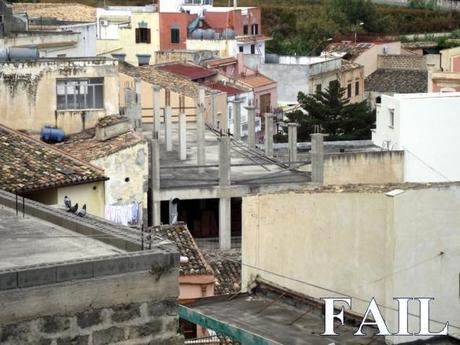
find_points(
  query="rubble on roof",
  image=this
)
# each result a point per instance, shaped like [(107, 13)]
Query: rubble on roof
[(227, 270), (71, 11)]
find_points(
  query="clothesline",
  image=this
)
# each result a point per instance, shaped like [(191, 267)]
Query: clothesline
[(128, 214)]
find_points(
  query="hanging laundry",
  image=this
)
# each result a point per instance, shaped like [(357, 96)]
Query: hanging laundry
[(123, 214)]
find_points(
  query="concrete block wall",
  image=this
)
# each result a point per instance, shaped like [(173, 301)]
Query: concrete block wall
[(153, 322), (406, 62)]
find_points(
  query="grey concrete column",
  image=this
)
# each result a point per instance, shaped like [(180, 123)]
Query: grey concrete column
[(156, 109), (138, 113), (292, 142), (317, 158), (200, 128), (251, 126), (237, 119), (213, 110), (182, 131), (168, 129), (224, 202), (268, 138), (155, 213)]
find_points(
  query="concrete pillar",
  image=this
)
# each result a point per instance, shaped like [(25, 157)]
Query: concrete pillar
[(292, 142), (251, 126), (268, 138), (182, 131), (138, 112), (237, 119), (156, 108), (155, 213), (317, 158), (168, 129), (225, 232), (213, 110), (200, 128)]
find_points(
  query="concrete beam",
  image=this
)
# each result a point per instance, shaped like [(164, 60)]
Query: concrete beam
[(292, 142), (225, 229), (237, 119), (182, 132), (200, 128), (317, 158), (268, 138), (213, 110), (251, 126), (138, 111), (156, 109), (168, 129), (225, 202), (155, 182)]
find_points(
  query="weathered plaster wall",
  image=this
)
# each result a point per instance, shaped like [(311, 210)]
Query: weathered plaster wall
[(91, 194), (364, 167), (28, 93), (130, 163)]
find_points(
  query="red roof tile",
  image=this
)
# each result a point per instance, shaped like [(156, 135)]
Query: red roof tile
[(229, 89), (188, 71)]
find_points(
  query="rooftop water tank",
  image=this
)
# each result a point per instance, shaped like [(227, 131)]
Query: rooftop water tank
[(53, 135), (18, 54), (228, 34), (198, 34), (209, 34)]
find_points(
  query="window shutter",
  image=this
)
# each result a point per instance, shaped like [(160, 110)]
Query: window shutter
[(148, 36), (138, 35)]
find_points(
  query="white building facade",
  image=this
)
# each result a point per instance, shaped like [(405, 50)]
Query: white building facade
[(425, 126)]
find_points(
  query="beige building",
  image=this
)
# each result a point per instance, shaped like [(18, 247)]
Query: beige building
[(43, 173), (68, 93), (131, 33), (363, 241)]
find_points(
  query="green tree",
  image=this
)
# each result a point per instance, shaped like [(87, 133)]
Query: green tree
[(335, 115)]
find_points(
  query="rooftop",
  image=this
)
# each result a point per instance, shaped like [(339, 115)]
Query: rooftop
[(188, 71), (227, 270), (30, 241), (70, 11), (435, 95), (181, 236), (219, 62), (164, 79), (255, 80), (397, 81), (85, 146), (231, 90), (27, 165)]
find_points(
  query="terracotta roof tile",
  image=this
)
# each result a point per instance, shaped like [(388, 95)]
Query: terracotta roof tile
[(397, 81), (231, 90), (85, 146), (70, 11), (255, 80), (188, 71), (181, 236), (227, 270), (27, 164), (214, 63)]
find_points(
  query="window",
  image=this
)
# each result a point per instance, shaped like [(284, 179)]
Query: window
[(357, 88), (245, 29), (318, 88), (349, 90), (175, 35), (142, 35), (253, 49), (241, 49), (255, 29), (392, 119), (80, 93)]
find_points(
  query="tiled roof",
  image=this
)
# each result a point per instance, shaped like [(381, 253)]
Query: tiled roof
[(231, 90), (85, 146), (227, 270), (166, 80), (349, 66), (255, 80), (397, 81), (221, 62), (70, 11), (188, 71), (181, 236), (27, 164), (349, 50)]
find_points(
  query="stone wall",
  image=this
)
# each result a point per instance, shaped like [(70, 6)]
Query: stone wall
[(406, 62), (134, 323)]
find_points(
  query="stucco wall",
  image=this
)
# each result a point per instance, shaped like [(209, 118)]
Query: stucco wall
[(450, 59), (369, 57), (91, 194), (28, 93), (359, 244), (130, 163), (365, 167)]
